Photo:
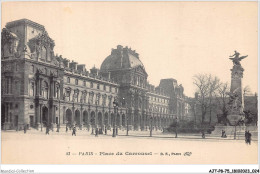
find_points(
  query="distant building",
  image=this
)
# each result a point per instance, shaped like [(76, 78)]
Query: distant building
[(40, 88)]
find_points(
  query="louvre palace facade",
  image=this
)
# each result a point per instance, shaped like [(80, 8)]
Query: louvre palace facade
[(41, 88)]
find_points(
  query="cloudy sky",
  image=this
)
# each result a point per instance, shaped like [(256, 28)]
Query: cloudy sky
[(174, 39)]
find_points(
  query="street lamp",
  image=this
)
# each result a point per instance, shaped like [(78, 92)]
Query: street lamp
[(176, 128), (151, 125), (115, 104)]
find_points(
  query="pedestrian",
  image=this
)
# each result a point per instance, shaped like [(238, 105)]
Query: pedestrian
[(203, 134), (58, 128), (74, 131), (66, 128), (223, 134), (47, 130), (25, 129), (105, 130), (96, 135), (248, 137)]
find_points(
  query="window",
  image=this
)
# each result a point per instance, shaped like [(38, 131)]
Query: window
[(68, 80), (32, 69), (91, 85), (76, 81), (110, 88), (84, 83), (57, 91), (97, 86), (31, 87), (45, 90), (115, 90), (8, 84), (104, 87)]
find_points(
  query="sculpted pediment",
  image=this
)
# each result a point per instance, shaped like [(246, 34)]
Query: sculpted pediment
[(41, 47)]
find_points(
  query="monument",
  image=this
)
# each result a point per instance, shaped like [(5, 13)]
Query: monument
[(236, 98), (234, 116)]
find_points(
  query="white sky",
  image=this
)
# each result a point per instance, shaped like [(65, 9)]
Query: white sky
[(174, 39)]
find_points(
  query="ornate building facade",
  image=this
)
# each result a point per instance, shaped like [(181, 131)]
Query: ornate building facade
[(40, 88)]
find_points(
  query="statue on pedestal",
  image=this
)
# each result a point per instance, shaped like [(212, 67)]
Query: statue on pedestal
[(236, 98), (236, 59)]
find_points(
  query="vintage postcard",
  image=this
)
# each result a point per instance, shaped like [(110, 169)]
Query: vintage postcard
[(129, 83)]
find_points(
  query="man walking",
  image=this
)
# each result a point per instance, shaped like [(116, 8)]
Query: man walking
[(74, 131)]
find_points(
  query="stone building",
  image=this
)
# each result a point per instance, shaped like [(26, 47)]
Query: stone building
[(40, 88)]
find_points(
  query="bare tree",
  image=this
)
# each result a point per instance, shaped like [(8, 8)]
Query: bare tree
[(222, 97), (206, 86)]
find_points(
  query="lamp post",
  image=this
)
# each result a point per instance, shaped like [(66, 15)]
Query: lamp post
[(176, 128), (127, 123), (151, 126), (115, 104)]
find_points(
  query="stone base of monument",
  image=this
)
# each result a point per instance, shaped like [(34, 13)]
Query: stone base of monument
[(230, 131), (233, 119)]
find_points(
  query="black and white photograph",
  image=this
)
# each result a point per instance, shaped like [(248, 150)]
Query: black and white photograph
[(136, 82)]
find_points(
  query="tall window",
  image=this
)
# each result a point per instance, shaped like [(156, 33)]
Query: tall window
[(57, 91), (97, 86), (8, 85), (68, 80), (104, 87), (91, 85), (32, 68), (84, 83), (76, 81), (91, 95), (68, 94), (31, 93), (45, 90)]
